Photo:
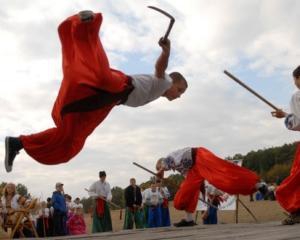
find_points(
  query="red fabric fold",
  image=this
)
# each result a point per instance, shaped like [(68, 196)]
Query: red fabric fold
[(288, 192), (85, 69), (224, 175)]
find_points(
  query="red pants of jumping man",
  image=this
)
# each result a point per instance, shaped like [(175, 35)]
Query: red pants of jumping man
[(85, 71), (224, 175), (288, 192)]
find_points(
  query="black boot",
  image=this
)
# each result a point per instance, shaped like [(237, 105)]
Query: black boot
[(184, 223), (86, 16), (12, 147)]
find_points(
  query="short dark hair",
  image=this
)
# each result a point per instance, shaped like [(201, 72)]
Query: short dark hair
[(102, 174), (296, 72), (177, 77)]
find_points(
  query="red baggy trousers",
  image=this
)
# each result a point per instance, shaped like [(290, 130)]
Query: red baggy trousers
[(288, 192), (85, 70), (224, 175)]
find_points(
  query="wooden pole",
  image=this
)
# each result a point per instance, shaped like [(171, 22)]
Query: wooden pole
[(110, 203), (248, 210), (237, 209), (250, 90)]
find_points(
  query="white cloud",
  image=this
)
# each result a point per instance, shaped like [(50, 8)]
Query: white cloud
[(258, 37)]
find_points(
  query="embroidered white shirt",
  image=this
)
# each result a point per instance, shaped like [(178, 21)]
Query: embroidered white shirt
[(180, 160)]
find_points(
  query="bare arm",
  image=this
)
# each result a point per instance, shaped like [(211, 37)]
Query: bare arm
[(162, 61), (279, 114)]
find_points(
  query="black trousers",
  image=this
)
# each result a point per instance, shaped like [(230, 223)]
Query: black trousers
[(59, 223)]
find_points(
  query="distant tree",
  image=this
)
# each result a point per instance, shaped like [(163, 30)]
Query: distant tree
[(22, 189), (88, 204), (118, 197), (2, 185), (280, 171)]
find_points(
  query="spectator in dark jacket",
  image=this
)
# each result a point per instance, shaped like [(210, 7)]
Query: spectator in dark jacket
[(134, 213)]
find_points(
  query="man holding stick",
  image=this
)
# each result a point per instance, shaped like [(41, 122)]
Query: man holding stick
[(199, 164), (288, 192)]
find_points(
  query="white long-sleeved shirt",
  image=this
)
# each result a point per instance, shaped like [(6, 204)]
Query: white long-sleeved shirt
[(292, 121), (100, 189)]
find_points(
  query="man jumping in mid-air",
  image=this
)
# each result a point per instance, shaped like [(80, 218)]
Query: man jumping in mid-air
[(89, 90)]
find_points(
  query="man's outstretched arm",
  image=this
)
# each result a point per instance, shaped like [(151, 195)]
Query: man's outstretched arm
[(163, 60)]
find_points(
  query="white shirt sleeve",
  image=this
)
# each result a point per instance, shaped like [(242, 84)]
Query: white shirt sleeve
[(92, 191), (108, 192), (292, 121)]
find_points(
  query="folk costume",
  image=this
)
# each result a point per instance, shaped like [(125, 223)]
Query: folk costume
[(101, 217), (134, 212), (288, 192), (164, 207), (88, 92), (213, 194), (199, 164), (153, 200)]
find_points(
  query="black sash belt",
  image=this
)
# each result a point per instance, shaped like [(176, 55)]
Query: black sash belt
[(99, 100)]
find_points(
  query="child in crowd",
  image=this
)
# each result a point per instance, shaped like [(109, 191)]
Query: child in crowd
[(76, 224)]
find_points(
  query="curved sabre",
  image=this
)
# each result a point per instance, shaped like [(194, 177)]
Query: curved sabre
[(172, 20)]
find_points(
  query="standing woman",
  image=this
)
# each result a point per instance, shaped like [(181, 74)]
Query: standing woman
[(164, 207)]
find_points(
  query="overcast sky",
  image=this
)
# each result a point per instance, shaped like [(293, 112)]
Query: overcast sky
[(257, 40)]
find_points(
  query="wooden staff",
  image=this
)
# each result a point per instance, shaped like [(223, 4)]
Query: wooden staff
[(146, 169), (153, 173), (111, 203), (251, 90), (248, 210)]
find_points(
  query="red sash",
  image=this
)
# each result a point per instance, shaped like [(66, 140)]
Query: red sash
[(165, 203), (100, 207)]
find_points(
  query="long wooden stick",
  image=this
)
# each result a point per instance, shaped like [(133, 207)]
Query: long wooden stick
[(248, 210), (153, 173), (111, 203), (250, 90), (146, 169)]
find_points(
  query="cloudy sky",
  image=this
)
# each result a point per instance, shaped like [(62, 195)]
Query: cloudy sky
[(257, 40)]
